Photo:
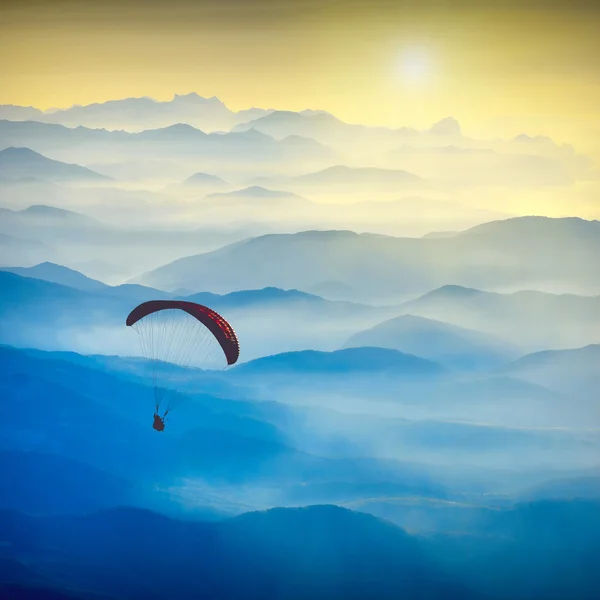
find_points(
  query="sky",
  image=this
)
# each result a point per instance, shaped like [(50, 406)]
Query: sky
[(499, 67)]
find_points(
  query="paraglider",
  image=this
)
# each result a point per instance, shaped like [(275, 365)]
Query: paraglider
[(176, 336), (159, 422)]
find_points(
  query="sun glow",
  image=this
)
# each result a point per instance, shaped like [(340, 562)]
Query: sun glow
[(415, 66)]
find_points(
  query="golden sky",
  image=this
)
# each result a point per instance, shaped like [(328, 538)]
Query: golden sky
[(500, 68)]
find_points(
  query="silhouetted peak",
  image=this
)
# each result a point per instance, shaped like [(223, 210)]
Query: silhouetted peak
[(253, 134), (523, 137), (259, 296), (320, 515), (327, 234), (526, 227), (43, 210), (447, 126), (259, 191), (18, 152), (204, 178), (195, 98), (363, 359), (181, 128), (453, 291)]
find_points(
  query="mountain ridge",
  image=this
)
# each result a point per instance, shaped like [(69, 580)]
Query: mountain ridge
[(18, 163), (382, 264)]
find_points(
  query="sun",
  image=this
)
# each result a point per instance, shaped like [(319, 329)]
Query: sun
[(415, 66)]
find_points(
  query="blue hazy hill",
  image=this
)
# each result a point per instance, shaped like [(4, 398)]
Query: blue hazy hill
[(348, 361), (573, 371), (542, 549), (321, 552), (53, 315), (434, 340), (272, 297), (39, 483), (35, 218), (37, 312), (567, 488), (21, 163), (205, 179), (136, 369), (88, 414), (263, 296), (527, 316), (257, 196), (68, 408), (54, 273), (539, 551), (22, 294), (365, 372)]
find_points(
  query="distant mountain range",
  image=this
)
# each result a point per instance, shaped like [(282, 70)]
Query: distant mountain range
[(208, 114), (280, 325), (256, 203), (340, 181), (82, 242), (442, 148), (266, 320), (522, 316), (97, 413), (369, 379), (325, 128), (89, 410), (528, 317), (322, 552), (272, 320), (136, 114), (441, 152), (39, 313), (409, 216), (179, 140), (514, 252), (31, 235)]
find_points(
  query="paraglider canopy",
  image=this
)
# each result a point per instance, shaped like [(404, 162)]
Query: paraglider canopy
[(212, 320)]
